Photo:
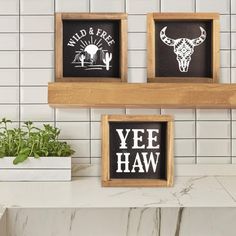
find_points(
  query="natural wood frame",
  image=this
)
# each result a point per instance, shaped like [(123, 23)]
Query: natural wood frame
[(153, 17), (107, 181), (59, 17)]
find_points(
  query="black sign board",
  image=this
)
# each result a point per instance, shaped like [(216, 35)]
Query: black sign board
[(136, 150), (183, 47), (91, 47)]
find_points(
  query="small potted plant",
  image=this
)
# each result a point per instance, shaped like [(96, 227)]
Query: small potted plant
[(33, 154)]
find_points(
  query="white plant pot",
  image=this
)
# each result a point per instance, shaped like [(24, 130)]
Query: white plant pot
[(41, 169)]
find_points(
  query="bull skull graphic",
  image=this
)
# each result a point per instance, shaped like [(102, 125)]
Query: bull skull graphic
[(183, 47)]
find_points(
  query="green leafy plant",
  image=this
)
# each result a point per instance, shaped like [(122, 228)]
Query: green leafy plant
[(30, 141)]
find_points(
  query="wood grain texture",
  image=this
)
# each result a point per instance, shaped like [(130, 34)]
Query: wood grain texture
[(151, 95), (59, 17), (215, 67), (107, 181)]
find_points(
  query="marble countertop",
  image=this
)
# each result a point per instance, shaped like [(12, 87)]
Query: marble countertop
[(202, 191)]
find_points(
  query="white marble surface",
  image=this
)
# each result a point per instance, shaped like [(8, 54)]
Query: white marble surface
[(202, 191), (122, 222)]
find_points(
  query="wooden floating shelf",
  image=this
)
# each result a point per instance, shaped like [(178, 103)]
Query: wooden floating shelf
[(151, 95)]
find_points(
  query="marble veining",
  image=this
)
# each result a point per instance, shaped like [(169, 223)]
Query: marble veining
[(202, 191), (177, 221)]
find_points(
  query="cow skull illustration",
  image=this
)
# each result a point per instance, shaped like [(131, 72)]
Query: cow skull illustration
[(183, 47)]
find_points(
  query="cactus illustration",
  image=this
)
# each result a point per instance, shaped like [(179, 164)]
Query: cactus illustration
[(107, 60), (81, 58)]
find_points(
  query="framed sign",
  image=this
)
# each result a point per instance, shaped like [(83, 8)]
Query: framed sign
[(91, 47), (183, 47), (137, 150)]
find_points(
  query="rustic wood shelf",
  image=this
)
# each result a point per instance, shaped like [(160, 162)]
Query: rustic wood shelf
[(151, 95)]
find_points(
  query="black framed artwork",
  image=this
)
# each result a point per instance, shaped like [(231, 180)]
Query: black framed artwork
[(183, 47)]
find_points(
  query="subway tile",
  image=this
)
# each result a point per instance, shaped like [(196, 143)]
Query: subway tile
[(33, 95), (233, 7), (233, 75), (9, 24), (213, 114), (213, 160), (65, 114), (177, 6), (9, 59), (107, 6), (9, 77), (137, 111), (184, 148), (80, 160), (233, 114), (224, 75), (180, 114), (225, 58), (96, 113), (36, 7), (9, 41), (37, 24), (233, 22), (72, 5), (96, 130), (233, 58), (213, 147), (36, 77), (225, 41), (234, 129), (220, 6), (233, 40), (37, 59), (81, 148), (185, 129), (137, 23), (234, 149), (184, 160), (9, 95), (9, 7), (137, 75), (96, 148), (10, 112), (224, 22), (74, 130), (37, 41), (137, 59), (137, 41), (142, 6), (37, 113), (213, 129)]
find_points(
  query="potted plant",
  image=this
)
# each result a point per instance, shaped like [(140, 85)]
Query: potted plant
[(29, 153)]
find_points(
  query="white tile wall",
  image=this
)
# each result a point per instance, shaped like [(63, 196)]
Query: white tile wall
[(37, 24), (27, 65), (9, 41), (9, 24), (222, 6), (9, 7), (72, 5), (142, 6), (106, 6), (9, 77), (177, 6), (37, 59), (31, 7), (36, 77), (37, 41)]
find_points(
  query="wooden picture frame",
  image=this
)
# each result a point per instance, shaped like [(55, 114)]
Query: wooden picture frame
[(112, 18), (166, 122), (155, 73)]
